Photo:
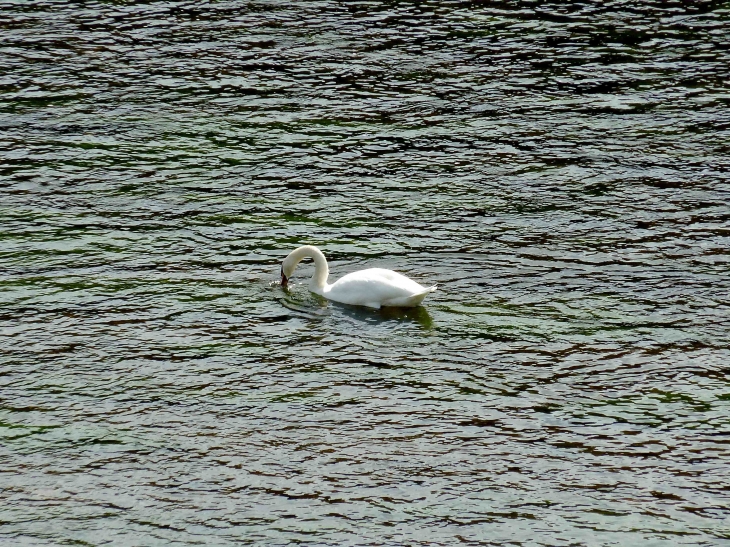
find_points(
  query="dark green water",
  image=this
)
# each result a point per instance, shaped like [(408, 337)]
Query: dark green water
[(560, 170)]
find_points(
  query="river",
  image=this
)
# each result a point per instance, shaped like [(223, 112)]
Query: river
[(560, 171)]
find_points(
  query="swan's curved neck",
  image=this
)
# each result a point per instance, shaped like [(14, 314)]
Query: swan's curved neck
[(321, 270)]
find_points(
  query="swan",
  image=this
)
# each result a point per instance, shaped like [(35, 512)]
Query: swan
[(374, 287)]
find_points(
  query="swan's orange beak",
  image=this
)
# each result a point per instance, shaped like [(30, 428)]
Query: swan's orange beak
[(284, 280)]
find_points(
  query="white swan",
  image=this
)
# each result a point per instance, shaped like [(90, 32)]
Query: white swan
[(373, 287)]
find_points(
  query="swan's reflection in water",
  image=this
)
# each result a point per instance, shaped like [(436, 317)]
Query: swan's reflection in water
[(313, 306), (418, 315)]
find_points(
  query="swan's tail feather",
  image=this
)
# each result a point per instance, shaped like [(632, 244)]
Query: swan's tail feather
[(410, 301)]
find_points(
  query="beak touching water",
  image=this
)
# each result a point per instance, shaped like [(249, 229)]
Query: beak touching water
[(284, 280)]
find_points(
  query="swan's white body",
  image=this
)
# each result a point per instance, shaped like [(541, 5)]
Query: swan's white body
[(374, 287)]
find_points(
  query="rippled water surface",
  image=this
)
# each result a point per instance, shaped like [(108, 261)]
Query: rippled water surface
[(560, 170)]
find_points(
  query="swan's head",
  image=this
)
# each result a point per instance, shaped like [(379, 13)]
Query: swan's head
[(287, 269), (284, 278)]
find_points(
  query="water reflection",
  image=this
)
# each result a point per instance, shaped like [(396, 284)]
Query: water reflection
[(417, 316), (299, 299)]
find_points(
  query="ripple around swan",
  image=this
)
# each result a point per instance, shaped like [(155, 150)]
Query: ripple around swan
[(560, 171)]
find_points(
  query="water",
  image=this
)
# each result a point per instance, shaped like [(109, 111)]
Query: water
[(561, 171)]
